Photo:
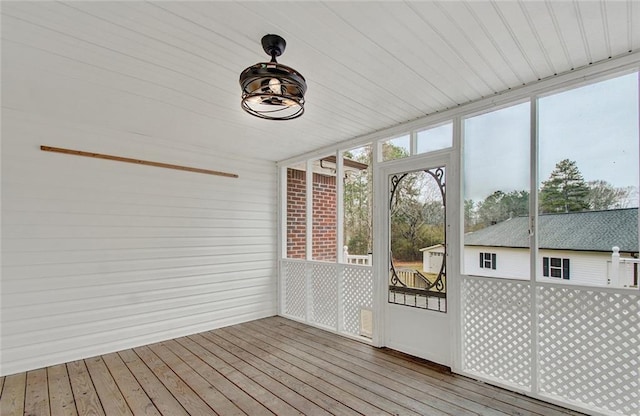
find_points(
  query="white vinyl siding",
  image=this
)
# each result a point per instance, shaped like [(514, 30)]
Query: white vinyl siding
[(99, 256), (514, 263), (586, 267)]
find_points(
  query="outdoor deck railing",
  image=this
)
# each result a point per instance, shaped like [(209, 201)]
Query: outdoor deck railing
[(361, 259), (623, 270), (412, 279)]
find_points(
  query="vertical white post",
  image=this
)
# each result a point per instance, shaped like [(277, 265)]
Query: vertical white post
[(379, 248), (533, 241), (309, 209), (377, 153), (455, 246), (282, 235), (340, 177), (309, 243), (614, 279), (413, 143)]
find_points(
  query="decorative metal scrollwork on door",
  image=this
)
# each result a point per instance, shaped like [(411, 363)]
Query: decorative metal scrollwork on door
[(424, 289)]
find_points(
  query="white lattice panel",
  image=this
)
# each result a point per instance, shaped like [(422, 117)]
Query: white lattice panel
[(589, 347), (324, 294), (295, 296), (357, 295), (497, 330)]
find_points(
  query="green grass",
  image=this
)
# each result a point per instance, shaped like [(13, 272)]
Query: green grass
[(415, 265)]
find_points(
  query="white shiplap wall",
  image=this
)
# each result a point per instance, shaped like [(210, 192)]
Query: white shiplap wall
[(99, 256)]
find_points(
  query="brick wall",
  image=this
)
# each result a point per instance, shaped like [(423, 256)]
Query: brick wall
[(324, 216), (296, 214)]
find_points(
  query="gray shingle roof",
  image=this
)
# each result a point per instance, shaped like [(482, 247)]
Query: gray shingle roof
[(585, 231)]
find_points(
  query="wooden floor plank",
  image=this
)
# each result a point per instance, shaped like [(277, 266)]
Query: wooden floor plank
[(60, 394), (110, 396), (270, 378), (246, 383), (415, 406), (501, 399), (84, 392), (357, 376), (257, 357), (207, 392), (405, 393), (37, 394), (138, 401), (294, 399), (13, 394), (319, 370), (406, 375), (306, 374), (193, 404), (271, 366), (244, 401), (372, 393), (161, 397), (430, 392)]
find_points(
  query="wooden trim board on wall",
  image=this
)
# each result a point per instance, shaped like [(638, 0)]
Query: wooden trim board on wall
[(136, 161)]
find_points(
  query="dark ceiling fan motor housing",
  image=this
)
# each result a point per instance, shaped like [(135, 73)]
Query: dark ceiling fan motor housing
[(271, 90)]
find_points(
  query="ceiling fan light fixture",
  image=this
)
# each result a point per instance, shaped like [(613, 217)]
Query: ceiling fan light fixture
[(271, 90)]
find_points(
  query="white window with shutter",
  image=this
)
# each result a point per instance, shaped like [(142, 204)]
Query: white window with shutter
[(555, 267), (488, 261)]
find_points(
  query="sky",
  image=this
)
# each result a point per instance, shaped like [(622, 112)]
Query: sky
[(596, 126)]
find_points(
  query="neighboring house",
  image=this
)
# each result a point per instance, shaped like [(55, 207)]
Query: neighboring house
[(432, 258), (575, 246)]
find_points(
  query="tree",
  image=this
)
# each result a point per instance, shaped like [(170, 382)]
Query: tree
[(500, 206), (565, 190), (491, 210), (469, 215), (407, 221), (603, 195), (417, 216), (358, 204), (433, 212), (517, 203), (358, 198), (392, 152)]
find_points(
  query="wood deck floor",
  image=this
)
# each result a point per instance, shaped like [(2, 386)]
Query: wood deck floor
[(265, 367)]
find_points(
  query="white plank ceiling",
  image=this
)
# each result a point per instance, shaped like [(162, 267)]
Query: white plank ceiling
[(169, 70)]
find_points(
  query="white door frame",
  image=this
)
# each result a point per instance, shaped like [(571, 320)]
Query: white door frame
[(450, 159)]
